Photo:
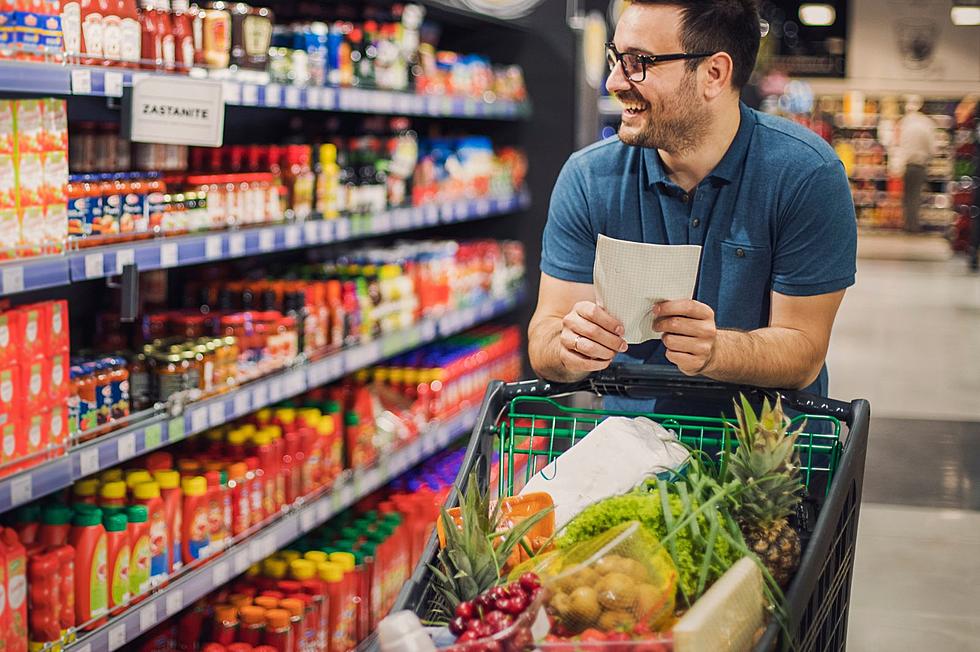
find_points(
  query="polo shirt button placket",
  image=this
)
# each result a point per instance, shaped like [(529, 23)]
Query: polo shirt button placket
[(740, 253), (696, 222)]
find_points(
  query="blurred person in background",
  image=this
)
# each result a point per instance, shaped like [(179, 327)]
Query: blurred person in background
[(917, 142)]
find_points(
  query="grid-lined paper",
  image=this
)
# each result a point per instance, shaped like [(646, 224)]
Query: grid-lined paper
[(630, 277)]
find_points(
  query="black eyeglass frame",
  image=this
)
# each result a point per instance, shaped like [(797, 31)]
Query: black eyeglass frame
[(647, 60)]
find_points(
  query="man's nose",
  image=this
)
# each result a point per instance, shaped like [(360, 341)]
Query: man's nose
[(617, 82)]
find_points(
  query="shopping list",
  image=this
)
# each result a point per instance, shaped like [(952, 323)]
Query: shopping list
[(631, 277)]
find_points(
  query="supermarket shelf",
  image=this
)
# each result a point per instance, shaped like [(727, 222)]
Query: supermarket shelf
[(165, 429), (56, 79), (247, 550), (181, 251)]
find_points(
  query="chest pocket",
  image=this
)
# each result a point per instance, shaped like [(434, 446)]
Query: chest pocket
[(746, 279)]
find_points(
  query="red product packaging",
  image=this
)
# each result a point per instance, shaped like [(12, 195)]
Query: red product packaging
[(31, 337), (36, 425), (54, 125), (10, 392), (58, 378), (66, 588), (15, 569), (44, 597), (9, 330), (35, 379), (7, 130), (30, 126), (58, 333)]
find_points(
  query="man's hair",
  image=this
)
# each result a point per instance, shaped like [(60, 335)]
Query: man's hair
[(730, 26)]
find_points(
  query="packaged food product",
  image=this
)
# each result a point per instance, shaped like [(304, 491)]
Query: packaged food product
[(140, 552), (119, 555), (88, 538)]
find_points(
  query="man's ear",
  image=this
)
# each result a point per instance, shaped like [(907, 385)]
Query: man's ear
[(717, 73)]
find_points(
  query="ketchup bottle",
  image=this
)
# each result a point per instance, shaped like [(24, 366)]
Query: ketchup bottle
[(166, 29), (151, 53), (183, 35), (130, 33)]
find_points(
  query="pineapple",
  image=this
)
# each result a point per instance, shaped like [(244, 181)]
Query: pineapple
[(473, 558), (767, 465)]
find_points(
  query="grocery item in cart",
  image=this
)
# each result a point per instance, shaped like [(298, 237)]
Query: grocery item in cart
[(612, 459)]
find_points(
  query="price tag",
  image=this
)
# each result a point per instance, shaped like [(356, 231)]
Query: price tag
[(335, 500), (334, 368), (81, 82), (199, 420), (126, 447), (250, 94), (240, 561), (267, 240), (292, 237), (168, 255), (113, 82), (85, 648), (469, 107), (212, 247), (448, 108), (13, 279), (431, 215), (483, 207), (275, 389), (327, 230), (124, 257), (94, 266), (311, 232), (152, 436), (117, 637), (236, 245), (260, 396), (148, 617), (268, 545), (175, 430), (241, 404), (216, 413), (381, 223), (328, 98), (273, 95), (432, 105), (446, 212), (322, 510), (232, 92), (174, 602), (21, 490), (219, 576), (307, 520), (313, 99), (343, 229), (88, 461), (292, 97)]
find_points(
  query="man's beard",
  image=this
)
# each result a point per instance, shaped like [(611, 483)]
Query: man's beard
[(675, 124)]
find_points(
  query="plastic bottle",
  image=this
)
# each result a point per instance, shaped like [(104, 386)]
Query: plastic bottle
[(136, 477), (165, 27), (172, 497), (195, 533), (151, 51), (297, 622), (66, 591), (27, 522), (183, 35), (252, 625), (278, 630), (118, 550), (88, 538), (148, 494), (139, 542), (238, 491), (225, 627), (341, 615), (352, 584), (217, 530), (305, 571), (55, 526), (42, 594), (112, 495), (264, 450), (255, 485)]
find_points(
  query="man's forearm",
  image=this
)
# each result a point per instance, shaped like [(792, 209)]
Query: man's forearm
[(766, 357), (544, 351)]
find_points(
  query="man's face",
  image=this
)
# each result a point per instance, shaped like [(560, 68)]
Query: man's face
[(665, 110)]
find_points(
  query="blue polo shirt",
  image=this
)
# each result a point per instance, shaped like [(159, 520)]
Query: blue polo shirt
[(775, 215)]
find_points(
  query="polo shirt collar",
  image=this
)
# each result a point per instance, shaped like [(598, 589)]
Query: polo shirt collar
[(728, 167)]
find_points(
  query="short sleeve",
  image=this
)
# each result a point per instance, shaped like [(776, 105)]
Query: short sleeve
[(568, 243), (816, 237)]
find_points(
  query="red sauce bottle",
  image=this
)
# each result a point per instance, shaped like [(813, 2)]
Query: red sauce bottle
[(151, 55), (183, 31), (166, 29)]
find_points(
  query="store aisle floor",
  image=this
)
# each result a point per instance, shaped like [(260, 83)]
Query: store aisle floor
[(908, 339)]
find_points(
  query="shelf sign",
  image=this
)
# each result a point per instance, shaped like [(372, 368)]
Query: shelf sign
[(176, 111)]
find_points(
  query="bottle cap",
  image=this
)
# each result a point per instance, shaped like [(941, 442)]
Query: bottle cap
[(346, 560), (111, 475), (137, 476), (293, 606), (115, 490), (330, 572), (277, 618), (316, 556), (226, 613), (237, 470), (28, 513), (194, 486), (56, 515), (146, 491), (239, 600), (86, 488), (266, 602), (115, 522), (274, 568), (252, 614), (289, 555), (137, 514), (87, 518), (303, 569), (167, 479), (159, 461)]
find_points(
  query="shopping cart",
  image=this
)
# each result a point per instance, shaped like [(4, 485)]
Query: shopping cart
[(526, 427)]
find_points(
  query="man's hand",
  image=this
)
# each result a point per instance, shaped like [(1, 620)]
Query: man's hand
[(589, 338), (690, 335)]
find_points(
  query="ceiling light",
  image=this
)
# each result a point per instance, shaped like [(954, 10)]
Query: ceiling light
[(965, 15), (817, 15)]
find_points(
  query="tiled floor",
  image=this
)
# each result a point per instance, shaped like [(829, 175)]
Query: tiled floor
[(908, 339)]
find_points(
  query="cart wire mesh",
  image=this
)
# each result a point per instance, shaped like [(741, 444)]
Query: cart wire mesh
[(534, 431)]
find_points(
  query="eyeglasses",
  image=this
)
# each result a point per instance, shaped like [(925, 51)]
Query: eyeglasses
[(635, 65)]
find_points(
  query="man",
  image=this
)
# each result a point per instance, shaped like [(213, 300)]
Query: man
[(917, 142), (768, 201)]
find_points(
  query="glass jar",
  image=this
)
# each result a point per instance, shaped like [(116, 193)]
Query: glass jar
[(170, 372)]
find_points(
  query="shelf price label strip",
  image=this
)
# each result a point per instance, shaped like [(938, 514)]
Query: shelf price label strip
[(114, 448), (195, 584)]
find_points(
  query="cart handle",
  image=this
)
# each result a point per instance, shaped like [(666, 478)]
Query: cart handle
[(650, 381)]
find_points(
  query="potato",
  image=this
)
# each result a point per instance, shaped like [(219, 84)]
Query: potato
[(635, 569), (617, 591), (561, 603), (611, 621), (584, 577), (610, 564), (584, 606)]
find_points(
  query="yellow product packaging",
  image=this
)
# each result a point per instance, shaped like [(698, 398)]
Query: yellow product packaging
[(612, 582)]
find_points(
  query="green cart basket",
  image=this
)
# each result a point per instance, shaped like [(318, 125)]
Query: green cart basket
[(523, 426)]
